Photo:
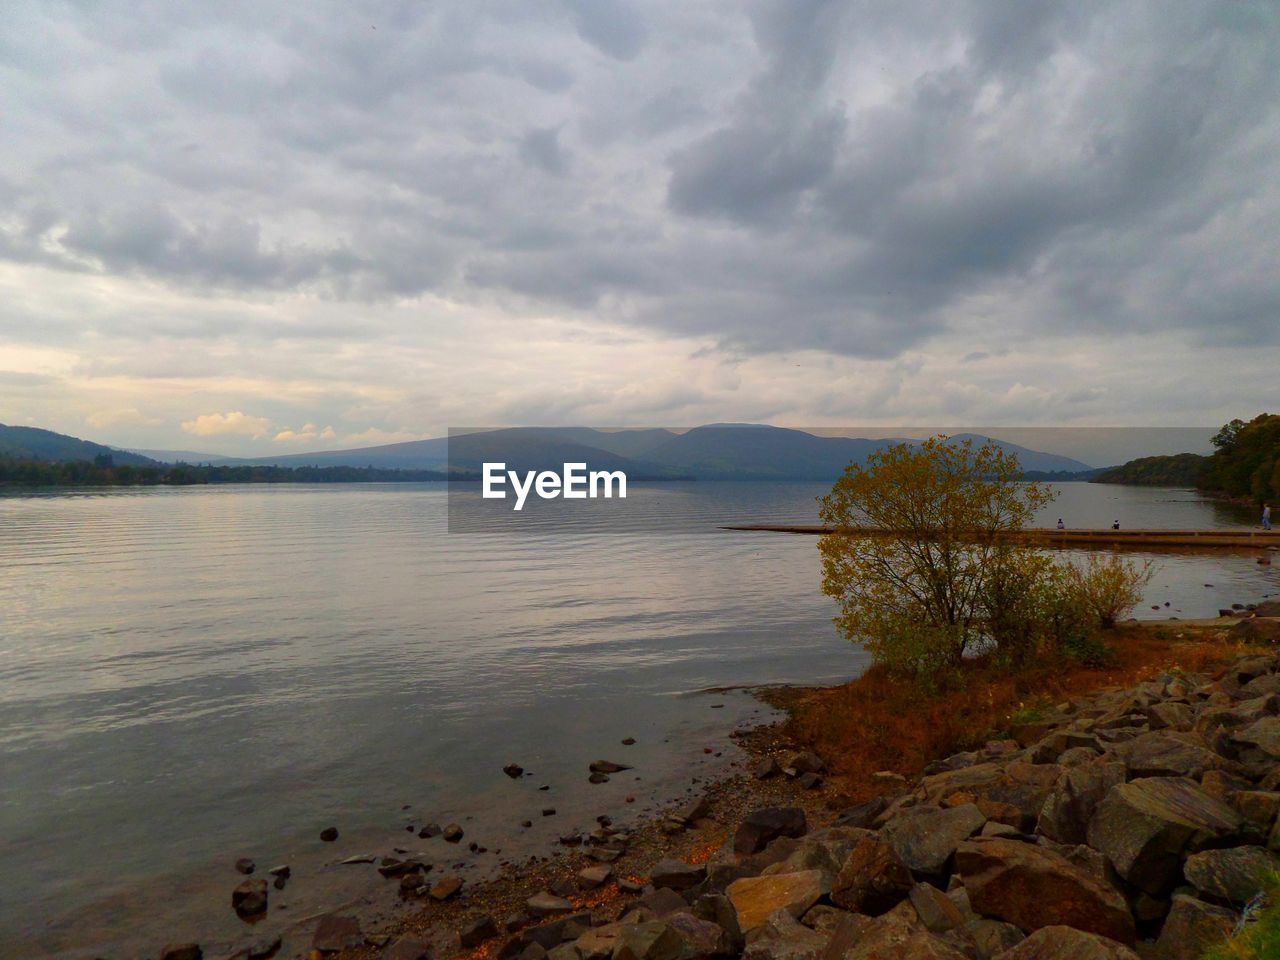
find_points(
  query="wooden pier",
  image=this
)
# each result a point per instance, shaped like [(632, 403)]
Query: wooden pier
[(1245, 538)]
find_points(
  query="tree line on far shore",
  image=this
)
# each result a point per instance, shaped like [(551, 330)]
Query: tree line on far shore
[(1245, 464), (104, 472)]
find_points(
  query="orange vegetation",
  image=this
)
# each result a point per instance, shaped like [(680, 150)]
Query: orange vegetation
[(878, 722)]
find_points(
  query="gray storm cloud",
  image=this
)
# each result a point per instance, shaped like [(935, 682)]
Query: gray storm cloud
[(858, 180)]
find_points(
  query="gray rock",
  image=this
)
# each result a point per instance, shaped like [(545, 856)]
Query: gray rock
[(607, 766), (763, 826), (654, 940), (591, 877), (1146, 826), (780, 937), (1234, 874), (546, 904), (1192, 927), (1068, 809), (755, 899), (862, 815), (1033, 887), (936, 910), (249, 899), (677, 875), (476, 932), (1067, 943), (926, 837), (335, 932), (1167, 753), (767, 769), (873, 879), (408, 947), (245, 865)]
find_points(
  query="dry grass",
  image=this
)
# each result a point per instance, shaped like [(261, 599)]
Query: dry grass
[(878, 722)]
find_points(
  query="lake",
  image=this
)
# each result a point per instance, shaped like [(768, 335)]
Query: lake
[(191, 675)]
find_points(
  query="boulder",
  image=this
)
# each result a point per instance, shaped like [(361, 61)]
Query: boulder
[(1258, 742), (677, 875), (1032, 887), (1232, 875), (1256, 630), (1054, 744), (763, 826), (988, 938), (1068, 809), (1067, 943), (1192, 927), (780, 937), (936, 910), (873, 878), (1167, 753), (663, 902), (1012, 792), (862, 815), (652, 940), (766, 769), (1145, 827), (1258, 807), (476, 932), (335, 932), (926, 837), (806, 762), (702, 938), (754, 899), (598, 943), (896, 935), (1169, 715), (718, 909)]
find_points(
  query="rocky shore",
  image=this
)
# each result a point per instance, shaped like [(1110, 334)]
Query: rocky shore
[(1136, 821)]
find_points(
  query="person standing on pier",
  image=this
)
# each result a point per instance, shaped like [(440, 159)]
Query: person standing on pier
[(1266, 516), (1116, 525)]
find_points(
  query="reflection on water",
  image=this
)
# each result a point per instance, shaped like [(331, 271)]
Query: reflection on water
[(192, 675)]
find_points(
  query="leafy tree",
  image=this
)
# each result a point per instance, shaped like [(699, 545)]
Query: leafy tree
[(1224, 438), (923, 558), (1108, 586)]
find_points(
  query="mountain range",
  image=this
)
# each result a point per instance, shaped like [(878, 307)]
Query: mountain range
[(722, 451)]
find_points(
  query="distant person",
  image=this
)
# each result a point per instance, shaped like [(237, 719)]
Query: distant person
[(1061, 525), (1115, 525), (1266, 516)]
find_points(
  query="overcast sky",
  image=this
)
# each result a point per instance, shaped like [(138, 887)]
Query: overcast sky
[(229, 228)]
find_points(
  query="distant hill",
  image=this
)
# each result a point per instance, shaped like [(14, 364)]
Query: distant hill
[(1180, 470), (34, 443), (179, 456), (712, 452)]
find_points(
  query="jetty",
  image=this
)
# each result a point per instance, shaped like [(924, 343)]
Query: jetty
[(1236, 538)]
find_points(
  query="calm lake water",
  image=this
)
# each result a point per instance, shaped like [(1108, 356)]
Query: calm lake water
[(192, 675)]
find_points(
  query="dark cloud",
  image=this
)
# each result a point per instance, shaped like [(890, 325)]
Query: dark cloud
[(541, 148), (850, 177)]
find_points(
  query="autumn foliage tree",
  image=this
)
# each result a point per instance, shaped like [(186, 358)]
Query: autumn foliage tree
[(926, 562)]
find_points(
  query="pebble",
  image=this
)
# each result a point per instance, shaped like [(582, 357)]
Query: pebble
[(329, 834)]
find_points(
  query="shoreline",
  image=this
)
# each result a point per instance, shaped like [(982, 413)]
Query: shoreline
[(730, 795), (723, 804)]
